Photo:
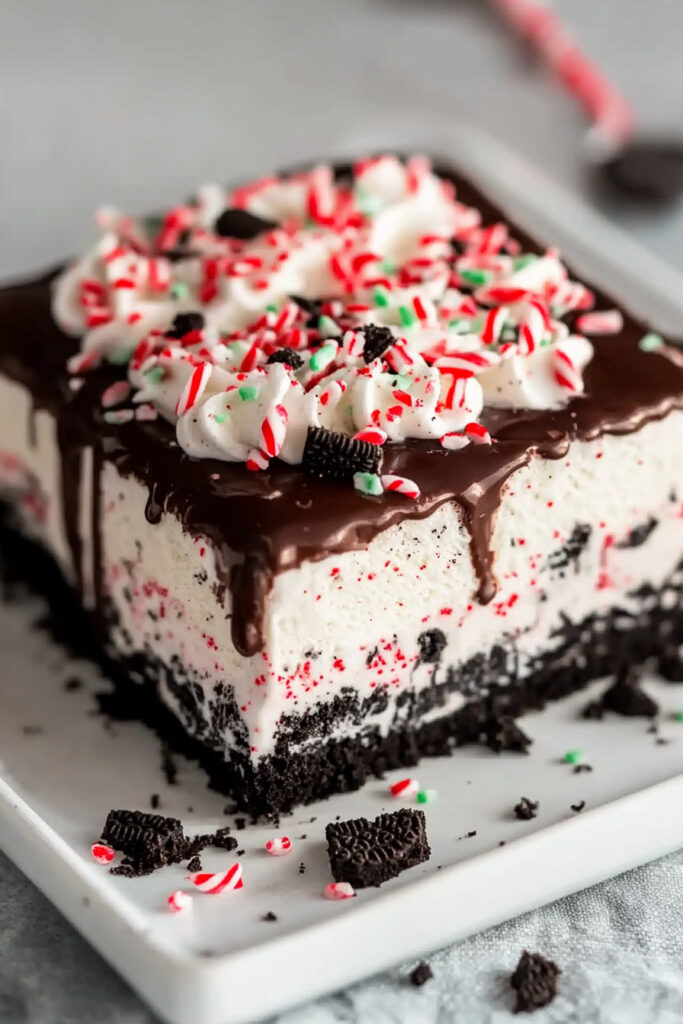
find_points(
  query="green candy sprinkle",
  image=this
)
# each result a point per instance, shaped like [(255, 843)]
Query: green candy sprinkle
[(524, 260), (120, 358), (221, 417), (407, 316), (679, 716), (179, 290), (323, 357), (387, 268), (154, 375), (248, 393), (650, 342), (368, 484), (475, 277), (573, 756), (380, 299), (426, 796), (271, 307), (328, 327)]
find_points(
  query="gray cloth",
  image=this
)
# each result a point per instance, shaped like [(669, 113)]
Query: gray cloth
[(135, 102), (619, 944)]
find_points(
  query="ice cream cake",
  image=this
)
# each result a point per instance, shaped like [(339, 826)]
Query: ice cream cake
[(341, 466)]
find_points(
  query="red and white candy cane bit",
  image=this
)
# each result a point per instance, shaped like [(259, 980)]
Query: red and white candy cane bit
[(493, 325), (179, 901), (279, 846), (257, 460), (401, 485), (405, 788), (83, 361), (273, 430), (115, 394), (608, 321), (454, 441), (194, 389), (478, 434), (610, 112), (534, 326), (102, 853), (373, 435), (339, 891), (213, 883), (566, 373)]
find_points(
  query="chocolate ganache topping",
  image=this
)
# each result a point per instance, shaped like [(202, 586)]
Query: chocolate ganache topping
[(262, 523)]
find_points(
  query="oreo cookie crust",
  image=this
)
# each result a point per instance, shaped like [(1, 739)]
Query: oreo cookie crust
[(367, 853)]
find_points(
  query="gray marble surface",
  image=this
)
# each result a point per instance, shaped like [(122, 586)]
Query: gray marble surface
[(135, 102)]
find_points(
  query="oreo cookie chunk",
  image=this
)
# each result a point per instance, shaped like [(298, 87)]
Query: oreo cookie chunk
[(185, 323), (149, 841), (332, 456), (368, 853), (235, 223), (288, 356), (535, 981), (377, 341)]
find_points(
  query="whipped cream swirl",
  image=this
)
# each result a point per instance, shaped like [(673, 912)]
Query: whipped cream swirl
[(374, 301)]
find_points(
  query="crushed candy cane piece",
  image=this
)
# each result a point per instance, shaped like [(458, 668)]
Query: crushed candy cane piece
[(279, 846), (339, 891), (213, 883), (179, 901), (102, 853), (405, 788)]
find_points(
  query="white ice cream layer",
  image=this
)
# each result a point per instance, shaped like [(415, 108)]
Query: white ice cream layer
[(353, 620)]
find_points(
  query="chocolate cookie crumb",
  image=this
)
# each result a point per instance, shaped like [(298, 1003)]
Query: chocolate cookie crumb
[(154, 801), (579, 768), (302, 868), (168, 766), (421, 974), (270, 916), (194, 864), (526, 809), (73, 683), (535, 981), (240, 823), (626, 697), (502, 733), (578, 807)]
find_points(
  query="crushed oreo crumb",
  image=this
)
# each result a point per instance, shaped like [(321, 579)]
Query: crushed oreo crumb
[(578, 807), (368, 853), (468, 835), (431, 644), (168, 766), (421, 974), (535, 981), (73, 683), (154, 801), (638, 535), (332, 456), (526, 809), (626, 697), (287, 356), (235, 223), (194, 864), (579, 768), (302, 868), (183, 323), (240, 824), (270, 916), (32, 730), (502, 733), (377, 341)]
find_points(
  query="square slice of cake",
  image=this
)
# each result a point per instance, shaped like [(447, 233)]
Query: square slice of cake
[(342, 467)]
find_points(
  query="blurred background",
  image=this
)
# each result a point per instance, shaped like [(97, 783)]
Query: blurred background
[(137, 102)]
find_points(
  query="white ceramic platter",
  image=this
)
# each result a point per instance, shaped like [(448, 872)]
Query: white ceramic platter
[(61, 770)]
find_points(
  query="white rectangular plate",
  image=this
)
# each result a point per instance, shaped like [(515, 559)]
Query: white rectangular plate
[(62, 770)]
